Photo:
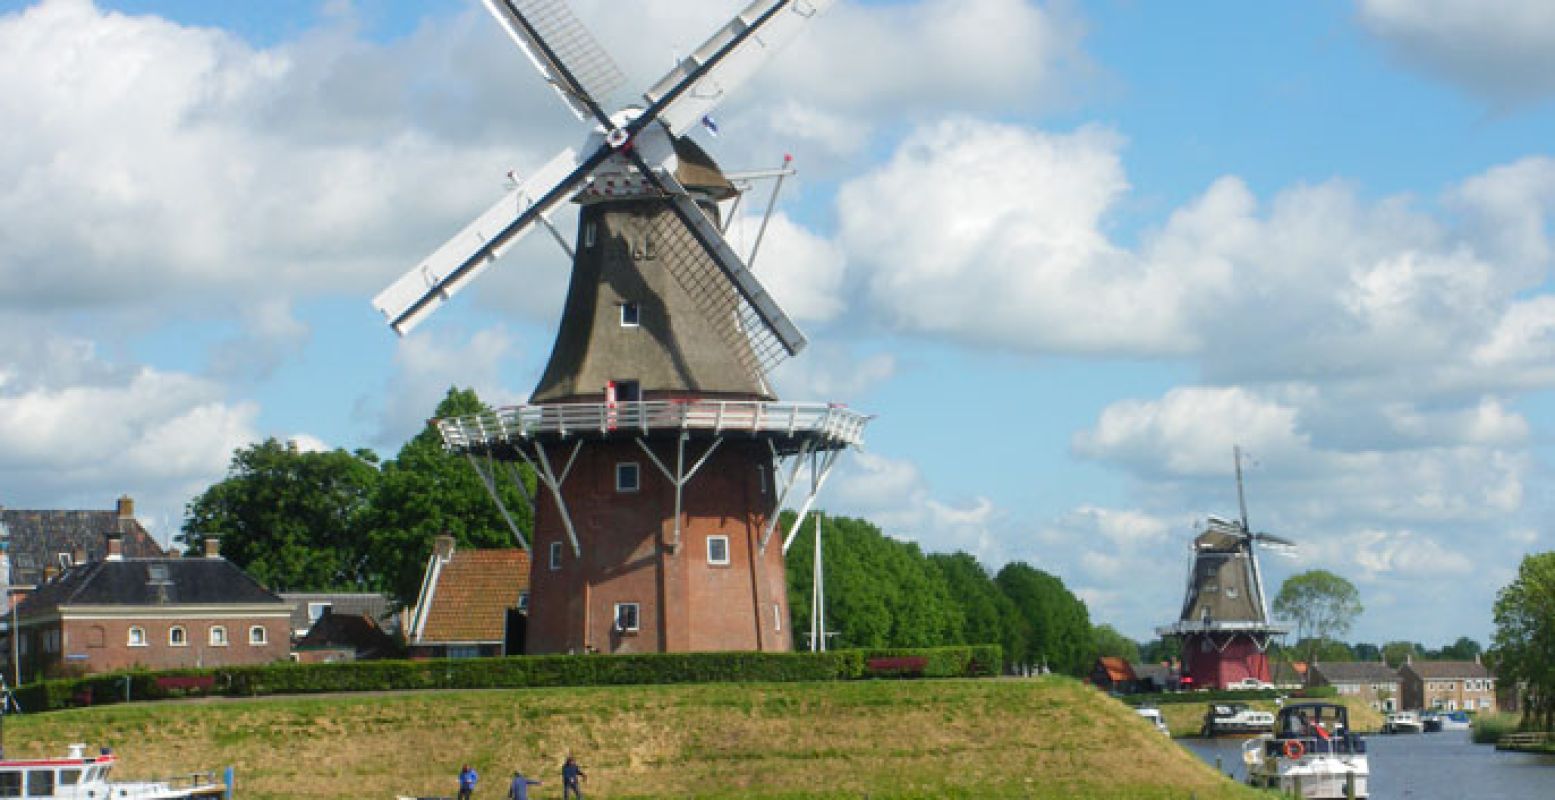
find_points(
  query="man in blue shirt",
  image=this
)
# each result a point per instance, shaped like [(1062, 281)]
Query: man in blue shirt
[(519, 790), (571, 774), (467, 779)]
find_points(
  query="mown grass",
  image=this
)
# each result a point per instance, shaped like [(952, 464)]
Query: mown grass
[(1047, 738)]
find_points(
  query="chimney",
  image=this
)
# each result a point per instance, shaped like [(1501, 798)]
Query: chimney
[(212, 547), (115, 547), (126, 507), (443, 547), (50, 572)]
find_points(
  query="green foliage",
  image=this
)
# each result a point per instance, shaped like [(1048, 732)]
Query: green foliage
[(1489, 728), (1396, 653), (494, 673), (1106, 641), (1159, 650), (426, 491), (1523, 647), (1059, 623), (987, 615), (1322, 604), (292, 519), (1464, 649)]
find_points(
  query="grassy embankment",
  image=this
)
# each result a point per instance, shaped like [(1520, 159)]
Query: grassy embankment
[(1041, 738), (1187, 719)]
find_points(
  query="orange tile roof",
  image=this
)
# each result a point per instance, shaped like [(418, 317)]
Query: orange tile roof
[(1117, 669), (475, 588)]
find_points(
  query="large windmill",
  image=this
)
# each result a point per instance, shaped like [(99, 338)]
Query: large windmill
[(1224, 626), (661, 450)]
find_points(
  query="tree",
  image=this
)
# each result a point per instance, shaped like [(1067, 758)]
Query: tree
[(1366, 651), (1464, 649), (1322, 604), (1107, 641), (426, 491), (988, 616), (1396, 653), (292, 519), (1523, 646), (1059, 623)]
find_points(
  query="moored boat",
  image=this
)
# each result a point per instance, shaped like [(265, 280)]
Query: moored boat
[(1153, 716), (1312, 754), (1402, 722), (79, 776), (1232, 719), (1431, 722), (1455, 721)]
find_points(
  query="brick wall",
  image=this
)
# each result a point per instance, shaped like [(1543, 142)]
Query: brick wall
[(103, 644)]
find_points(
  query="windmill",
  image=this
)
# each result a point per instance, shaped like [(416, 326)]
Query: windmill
[(662, 452), (1224, 625)]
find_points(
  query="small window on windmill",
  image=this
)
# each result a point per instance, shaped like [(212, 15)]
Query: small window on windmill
[(588, 234), (718, 551), (523, 602), (628, 477), (627, 617), (631, 315), (1231, 592), (628, 391), (556, 556)]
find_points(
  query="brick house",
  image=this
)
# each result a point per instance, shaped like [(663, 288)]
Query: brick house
[(1374, 682), (1448, 685), (472, 603), (158, 613), (43, 542), (309, 607), (1113, 674)]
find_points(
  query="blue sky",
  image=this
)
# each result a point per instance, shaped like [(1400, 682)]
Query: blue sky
[(1069, 253)]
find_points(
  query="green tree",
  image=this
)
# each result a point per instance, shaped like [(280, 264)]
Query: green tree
[(1161, 650), (1396, 653), (292, 519), (988, 616), (1523, 646), (1058, 621), (1107, 641), (1322, 604), (1464, 649), (1366, 651), (426, 491)]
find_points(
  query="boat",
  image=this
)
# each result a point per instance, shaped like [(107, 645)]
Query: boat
[(1311, 754), (1402, 722), (1431, 722), (1455, 721), (78, 775), (1153, 715), (1231, 719)]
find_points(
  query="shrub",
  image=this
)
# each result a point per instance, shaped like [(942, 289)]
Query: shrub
[(1489, 728)]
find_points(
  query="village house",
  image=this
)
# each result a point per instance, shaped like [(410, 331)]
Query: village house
[(158, 613), (1374, 682), (472, 603), (42, 543), (1113, 674), (1448, 686)]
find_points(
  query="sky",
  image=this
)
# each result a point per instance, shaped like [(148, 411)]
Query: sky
[(1069, 253)]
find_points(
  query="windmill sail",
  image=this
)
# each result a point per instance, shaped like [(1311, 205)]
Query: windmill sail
[(563, 50)]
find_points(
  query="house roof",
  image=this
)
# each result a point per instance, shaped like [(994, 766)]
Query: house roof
[(373, 604), (1446, 670), (149, 582), (1354, 672), (473, 590), (356, 632), (1160, 673), (38, 537), (1117, 669)]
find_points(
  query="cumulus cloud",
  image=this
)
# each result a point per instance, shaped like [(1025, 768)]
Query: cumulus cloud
[(894, 494), (1502, 50), (428, 364)]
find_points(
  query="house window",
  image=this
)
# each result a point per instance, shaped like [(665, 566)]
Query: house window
[(631, 315), (556, 556), (316, 611), (626, 617), (177, 636), (628, 477), (51, 641), (718, 550), (257, 635), (523, 602), (464, 651), (218, 636), (137, 637)]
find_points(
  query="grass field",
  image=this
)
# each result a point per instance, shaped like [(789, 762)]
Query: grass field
[(1018, 738)]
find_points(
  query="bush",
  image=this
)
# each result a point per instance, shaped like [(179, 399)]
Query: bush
[(495, 673), (1489, 728)]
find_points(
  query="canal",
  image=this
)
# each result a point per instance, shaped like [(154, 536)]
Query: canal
[(1426, 767)]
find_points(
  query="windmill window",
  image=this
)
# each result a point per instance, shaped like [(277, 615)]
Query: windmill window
[(777, 617), (257, 635), (628, 391), (631, 315), (177, 636), (1231, 592), (218, 636), (137, 637), (627, 617), (588, 234), (628, 477), (718, 550), (556, 556), (523, 602)]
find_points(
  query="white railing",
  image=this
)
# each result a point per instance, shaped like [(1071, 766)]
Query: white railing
[(1214, 626), (837, 426)]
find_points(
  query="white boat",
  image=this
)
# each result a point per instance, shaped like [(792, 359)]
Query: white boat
[(1154, 716), (79, 776), (1235, 718), (1403, 722), (1455, 721), (1312, 754)]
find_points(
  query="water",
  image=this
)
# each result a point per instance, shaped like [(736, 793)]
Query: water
[(1426, 767)]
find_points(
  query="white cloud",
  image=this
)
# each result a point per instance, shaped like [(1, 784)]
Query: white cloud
[(1370, 554), (428, 364), (1503, 50), (894, 494), (803, 271), (826, 372)]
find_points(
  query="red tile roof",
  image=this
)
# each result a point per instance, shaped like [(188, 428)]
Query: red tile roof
[(1117, 669), (475, 589)]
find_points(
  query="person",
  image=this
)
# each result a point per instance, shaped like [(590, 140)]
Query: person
[(519, 789), (571, 775), (467, 779)]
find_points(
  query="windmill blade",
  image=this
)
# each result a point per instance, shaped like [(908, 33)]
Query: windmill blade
[(1272, 540), (702, 80), (566, 54), (417, 293)]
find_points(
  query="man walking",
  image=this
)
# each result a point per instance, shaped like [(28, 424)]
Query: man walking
[(519, 789), (467, 779), (571, 775)]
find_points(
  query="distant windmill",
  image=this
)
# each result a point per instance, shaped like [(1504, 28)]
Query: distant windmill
[(1224, 625), (659, 369)]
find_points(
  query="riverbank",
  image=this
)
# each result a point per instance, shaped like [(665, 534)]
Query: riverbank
[(1187, 719), (1015, 738)]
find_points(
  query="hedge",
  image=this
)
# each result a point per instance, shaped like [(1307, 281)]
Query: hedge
[(495, 673), (1221, 696)]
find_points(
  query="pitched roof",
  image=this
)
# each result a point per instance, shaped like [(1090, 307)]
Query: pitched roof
[(1160, 673), (38, 537), (356, 632), (149, 582), (1354, 672), (373, 604), (1446, 670), (1117, 669), (470, 598)]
